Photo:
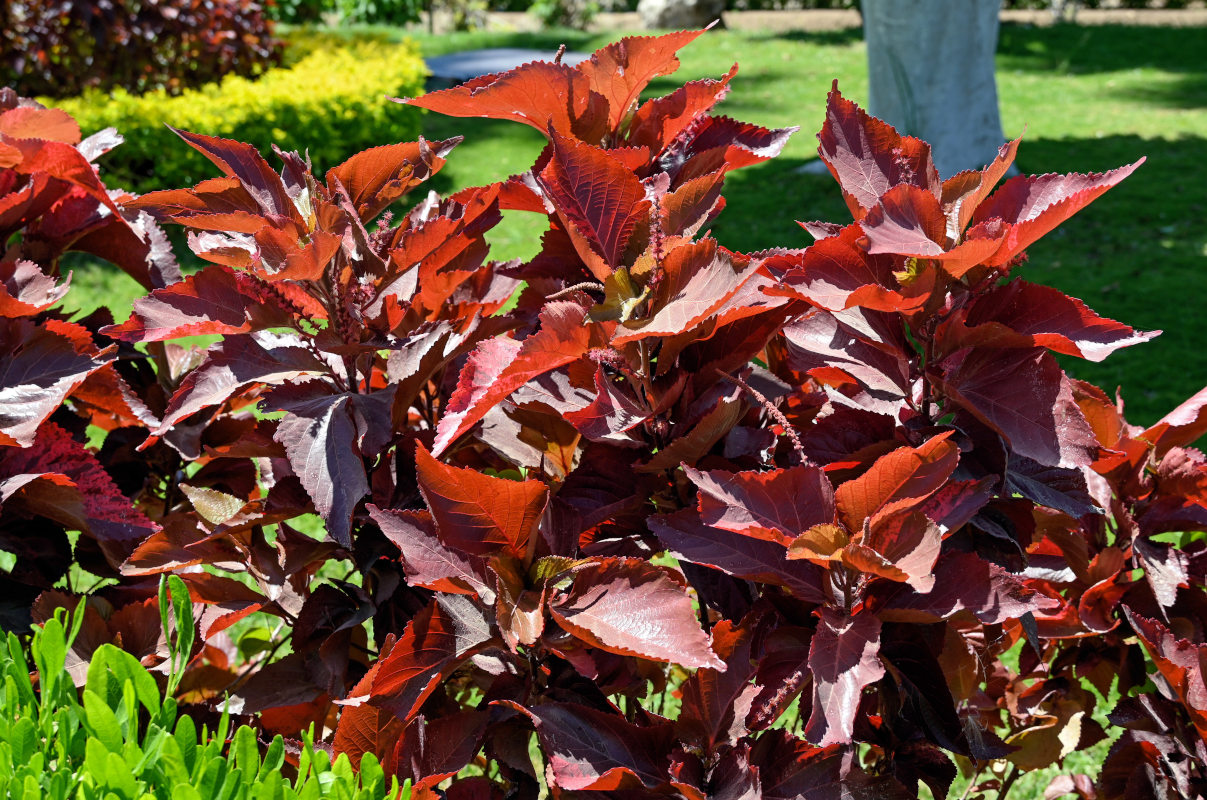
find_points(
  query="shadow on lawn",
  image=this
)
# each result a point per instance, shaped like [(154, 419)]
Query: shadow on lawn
[(1077, 50)]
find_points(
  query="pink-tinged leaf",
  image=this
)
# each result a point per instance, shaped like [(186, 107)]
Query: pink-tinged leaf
[(1034, 205), (368, 729), (62, 161), (609, 415), (48, 124), (376, 177), (427, 561), (242, 161), (723, 143), (963, 582), (777, 506), (320, 438), (215, 300), (898, 481), (1043, 316), (435, 642), (835, 273), (687, 537), (868, 157), (236, 362), (692, 206), (500, 366), (836, 341), (911, 544), (1024, 395), (907, 221), (40, 365), (631, 607), (25, 289), (963, 204), (621, 70), (477, 513), (541, 94), (1179, 427), (1165, 569), (704, 292), (599, 199), (1180, 663), (658, 122), (588, 749), (843, 659)]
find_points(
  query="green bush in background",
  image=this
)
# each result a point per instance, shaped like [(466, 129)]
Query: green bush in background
[(330, 102), (123, 741)]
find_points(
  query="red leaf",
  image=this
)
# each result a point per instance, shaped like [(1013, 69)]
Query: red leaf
[(898, 481), (435, 641), (320, 438), (376, 177), (715, 703), (777, 506), (868, 157), (107, 515), (426, 561), (1180, 663), (741, 556), (436, 748), (235, 362), (541, 94), (478, 513), (215, 300), (1024, 395), (368, 729), (40, 365), (1040, 315), (790, 769), (843, 659), (598, 198), (1179, 427), (31, 122), (701, 289), (963, 581), (1034, 205), (588, 749), (500, 366), (631, 607), (908, 221), (658, 122), (621, 70), (25, 289), (911, 544), (242, 161), (610, 415)]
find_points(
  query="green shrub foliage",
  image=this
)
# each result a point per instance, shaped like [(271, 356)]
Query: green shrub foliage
[(58, 48), (119, 739), (640, 517), (329, 104)]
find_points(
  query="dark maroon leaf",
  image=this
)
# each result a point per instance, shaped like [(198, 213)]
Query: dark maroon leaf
[(1025, 396), (426, 560), (588, 749), (741, 556), (321, 440)]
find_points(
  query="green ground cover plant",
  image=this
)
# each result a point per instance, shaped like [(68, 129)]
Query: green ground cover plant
[(117, 737), (638, 515)]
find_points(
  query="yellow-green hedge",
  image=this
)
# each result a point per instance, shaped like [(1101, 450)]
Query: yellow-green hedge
[(332, 102)]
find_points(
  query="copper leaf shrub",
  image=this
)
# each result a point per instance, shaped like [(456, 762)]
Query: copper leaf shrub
[(693, 523)]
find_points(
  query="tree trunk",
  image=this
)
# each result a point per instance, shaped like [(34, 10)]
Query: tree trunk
[(930, 72)]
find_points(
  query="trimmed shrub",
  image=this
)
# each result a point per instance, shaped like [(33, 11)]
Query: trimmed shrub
[(59, 48), (331, 103)]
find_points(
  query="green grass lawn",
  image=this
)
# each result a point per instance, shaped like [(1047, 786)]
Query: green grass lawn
[(1088, 99)]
